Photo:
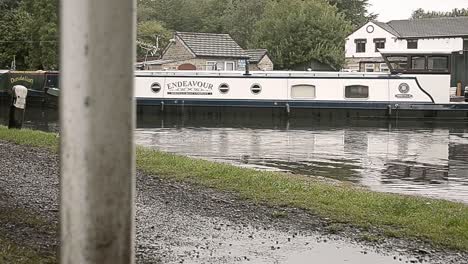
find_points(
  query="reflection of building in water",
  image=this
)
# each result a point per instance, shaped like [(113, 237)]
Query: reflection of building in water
[(416, 157), (356, 141), (458, 157)]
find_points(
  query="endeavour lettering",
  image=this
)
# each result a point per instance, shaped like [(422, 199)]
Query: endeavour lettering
[(190, 88)]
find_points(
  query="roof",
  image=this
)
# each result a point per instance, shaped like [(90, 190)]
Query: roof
[(256, 55), (212, 45), (428, 27), (386, 27), (410, 52)]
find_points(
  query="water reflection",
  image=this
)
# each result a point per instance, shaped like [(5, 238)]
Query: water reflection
[(425, 158), (405, 157)]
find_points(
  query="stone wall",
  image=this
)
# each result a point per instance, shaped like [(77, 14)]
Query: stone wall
[(177, 51)]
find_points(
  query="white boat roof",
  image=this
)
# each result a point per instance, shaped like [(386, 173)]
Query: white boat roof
[(253, 74), (409, 52), (3, 71)]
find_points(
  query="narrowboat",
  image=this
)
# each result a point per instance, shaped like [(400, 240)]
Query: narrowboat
[(418, 85), (43, 86)]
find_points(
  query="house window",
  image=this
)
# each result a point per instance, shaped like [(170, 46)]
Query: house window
[(412, 44), (356, 92), (220, 66), (303, 91), (360, 45), (465, 44), (229, 66), (379, 44), (418, 63), (369, 67), (211, 65), (384, 67), (438, 63)]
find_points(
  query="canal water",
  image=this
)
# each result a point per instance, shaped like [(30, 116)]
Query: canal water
[(409, 157)]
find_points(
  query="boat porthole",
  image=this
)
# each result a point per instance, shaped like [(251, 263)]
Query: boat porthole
[(256, 88), (155, 87), (224, 88)]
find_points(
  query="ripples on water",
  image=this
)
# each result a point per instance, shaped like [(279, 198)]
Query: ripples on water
[(410, 160), (429, 159)]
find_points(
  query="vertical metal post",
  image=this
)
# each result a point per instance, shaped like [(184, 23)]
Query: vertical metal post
[(97, 120)]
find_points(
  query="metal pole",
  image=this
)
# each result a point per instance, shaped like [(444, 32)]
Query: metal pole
[(97, 120)]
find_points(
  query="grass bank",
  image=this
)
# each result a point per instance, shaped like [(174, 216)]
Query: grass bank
[(442, 223)]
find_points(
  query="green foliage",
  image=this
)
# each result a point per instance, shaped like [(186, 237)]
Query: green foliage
[(297, 32), (153, 33), (29, 31), (29, 28), (421, 13), (355, 11)]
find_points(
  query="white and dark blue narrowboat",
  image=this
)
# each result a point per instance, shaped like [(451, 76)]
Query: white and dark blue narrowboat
[(418, 85)]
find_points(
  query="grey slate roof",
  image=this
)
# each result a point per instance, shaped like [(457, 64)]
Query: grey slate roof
[(256, 54), (386, 27), (212, 45), (428, 27)]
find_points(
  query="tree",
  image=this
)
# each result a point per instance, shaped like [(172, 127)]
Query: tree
[(421, 13), (12, 44), (239, 19), (296, 32), (43, 35), (356, 11), (152, 33)]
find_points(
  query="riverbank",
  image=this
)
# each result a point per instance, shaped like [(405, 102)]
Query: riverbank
[(417, 226)]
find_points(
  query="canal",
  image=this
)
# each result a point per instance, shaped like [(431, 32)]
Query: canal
[(409, 157)]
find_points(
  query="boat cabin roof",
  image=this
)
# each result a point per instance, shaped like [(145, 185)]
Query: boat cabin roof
[(414, 52), (259, 74)]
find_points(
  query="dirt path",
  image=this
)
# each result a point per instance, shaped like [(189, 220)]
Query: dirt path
[(181, 223)]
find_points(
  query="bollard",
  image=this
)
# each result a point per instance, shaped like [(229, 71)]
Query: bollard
[(17, 106)]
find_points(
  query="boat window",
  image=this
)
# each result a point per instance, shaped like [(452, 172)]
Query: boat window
[(224, 88), (398, 62), (303, 91), (438, 63), (418, 63), (356, 91), (155, 87), (256, 88)]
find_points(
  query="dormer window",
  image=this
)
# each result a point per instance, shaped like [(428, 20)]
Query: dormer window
[(379, 44), (360, 45)]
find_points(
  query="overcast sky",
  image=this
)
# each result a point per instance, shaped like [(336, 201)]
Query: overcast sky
[(402, 9)]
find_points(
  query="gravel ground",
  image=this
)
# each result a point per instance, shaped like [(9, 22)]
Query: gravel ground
[(182, 223)]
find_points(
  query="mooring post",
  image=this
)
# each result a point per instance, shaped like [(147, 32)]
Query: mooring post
[(19, 94), (97, 121)]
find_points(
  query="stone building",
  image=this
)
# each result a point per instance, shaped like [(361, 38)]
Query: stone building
[(259, 60), (205, 51)]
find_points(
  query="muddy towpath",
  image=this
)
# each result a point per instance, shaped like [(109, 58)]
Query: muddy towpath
[(184, 223)]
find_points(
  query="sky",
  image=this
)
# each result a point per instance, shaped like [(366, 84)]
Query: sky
[(402, 9)]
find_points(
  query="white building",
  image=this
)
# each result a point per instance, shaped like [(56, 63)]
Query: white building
[(444, 34)]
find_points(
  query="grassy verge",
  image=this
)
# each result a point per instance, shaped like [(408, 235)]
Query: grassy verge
[(12, 250), (12, 254), (441, 222)]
